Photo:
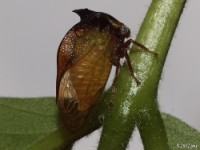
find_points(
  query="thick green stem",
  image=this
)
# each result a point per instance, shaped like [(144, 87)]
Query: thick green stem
[(164, 16), (134, 104)]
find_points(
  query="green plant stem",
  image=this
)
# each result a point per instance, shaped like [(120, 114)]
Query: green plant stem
[(166, 17), (137, 104)]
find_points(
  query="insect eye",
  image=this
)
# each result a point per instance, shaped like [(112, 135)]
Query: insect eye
[(124, 31)]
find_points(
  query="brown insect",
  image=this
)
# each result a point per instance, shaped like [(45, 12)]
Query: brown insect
[(85, 57)]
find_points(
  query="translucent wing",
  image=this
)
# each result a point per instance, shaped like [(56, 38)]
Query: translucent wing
[(89, 77), (65, 56), (81, 81)]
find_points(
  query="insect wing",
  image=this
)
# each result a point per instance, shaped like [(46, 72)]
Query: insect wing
[(81, 80), (89, 77)]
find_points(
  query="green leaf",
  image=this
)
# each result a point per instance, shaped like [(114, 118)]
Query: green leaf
[(180, 135), (26, 122), (32, 123)]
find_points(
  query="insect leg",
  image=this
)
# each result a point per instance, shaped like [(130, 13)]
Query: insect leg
[(130, 67), (127, 43)]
